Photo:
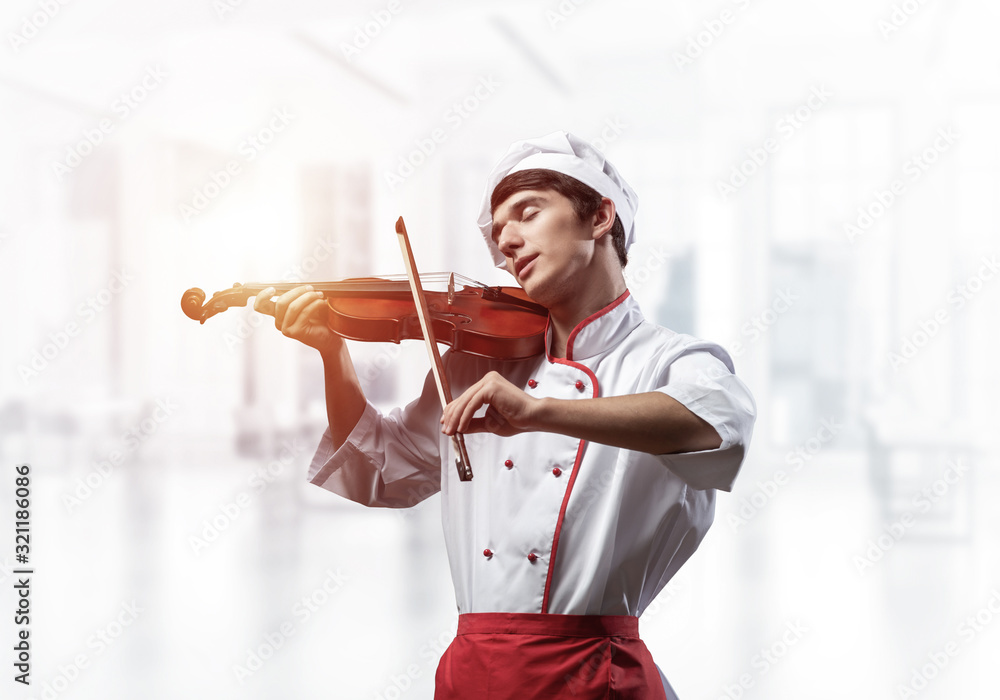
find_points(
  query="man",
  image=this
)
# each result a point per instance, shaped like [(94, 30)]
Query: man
[(596, 463)]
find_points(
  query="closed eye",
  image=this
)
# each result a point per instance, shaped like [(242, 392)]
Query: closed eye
[(525, 216)]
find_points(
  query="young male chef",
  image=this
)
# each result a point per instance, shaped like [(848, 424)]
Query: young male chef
[(596, 463)]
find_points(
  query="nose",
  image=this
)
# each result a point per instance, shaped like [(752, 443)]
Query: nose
[(509, 239)]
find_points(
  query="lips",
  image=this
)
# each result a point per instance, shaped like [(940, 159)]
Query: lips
[(523, 263)]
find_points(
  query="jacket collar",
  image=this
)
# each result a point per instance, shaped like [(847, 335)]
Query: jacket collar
[(600, 331)]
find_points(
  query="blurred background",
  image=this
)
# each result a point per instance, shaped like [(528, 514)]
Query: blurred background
[(818, 189)]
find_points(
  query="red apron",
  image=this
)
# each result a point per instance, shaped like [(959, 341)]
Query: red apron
[(524, 656)]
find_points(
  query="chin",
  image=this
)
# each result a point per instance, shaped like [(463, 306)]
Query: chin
[(530, 288), (541, 291)]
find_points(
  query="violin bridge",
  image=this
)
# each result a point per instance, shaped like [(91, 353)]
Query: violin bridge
[(451, 289)]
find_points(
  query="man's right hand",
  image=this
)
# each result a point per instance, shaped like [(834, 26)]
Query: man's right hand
[(302, 314)]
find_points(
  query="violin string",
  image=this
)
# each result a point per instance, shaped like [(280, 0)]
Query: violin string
[(373, 284)]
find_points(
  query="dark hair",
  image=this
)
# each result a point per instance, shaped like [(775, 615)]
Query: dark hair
[(584, 198)]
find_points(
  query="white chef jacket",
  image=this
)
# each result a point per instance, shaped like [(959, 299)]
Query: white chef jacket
[(551, 523)]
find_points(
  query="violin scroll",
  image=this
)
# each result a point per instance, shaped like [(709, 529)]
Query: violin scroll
[(194, 307), (191, 303)]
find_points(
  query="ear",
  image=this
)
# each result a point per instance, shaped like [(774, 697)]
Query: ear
[(603, 219)]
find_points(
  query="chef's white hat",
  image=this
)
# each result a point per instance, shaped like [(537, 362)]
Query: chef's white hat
[(568, 154)]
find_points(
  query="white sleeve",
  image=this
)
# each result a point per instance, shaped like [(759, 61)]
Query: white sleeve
[(391, 461), (702, 379)]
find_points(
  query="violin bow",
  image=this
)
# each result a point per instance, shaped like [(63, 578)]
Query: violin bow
[(437, 367)]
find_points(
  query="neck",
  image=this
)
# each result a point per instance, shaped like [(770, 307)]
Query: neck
[(567, 315)]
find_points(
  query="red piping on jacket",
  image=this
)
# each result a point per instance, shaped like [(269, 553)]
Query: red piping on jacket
[(583, 443)]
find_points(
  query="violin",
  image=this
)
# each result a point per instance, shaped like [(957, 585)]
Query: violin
[(500, 323)]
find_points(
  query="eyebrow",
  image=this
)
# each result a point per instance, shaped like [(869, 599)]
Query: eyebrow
[(518, 206)]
